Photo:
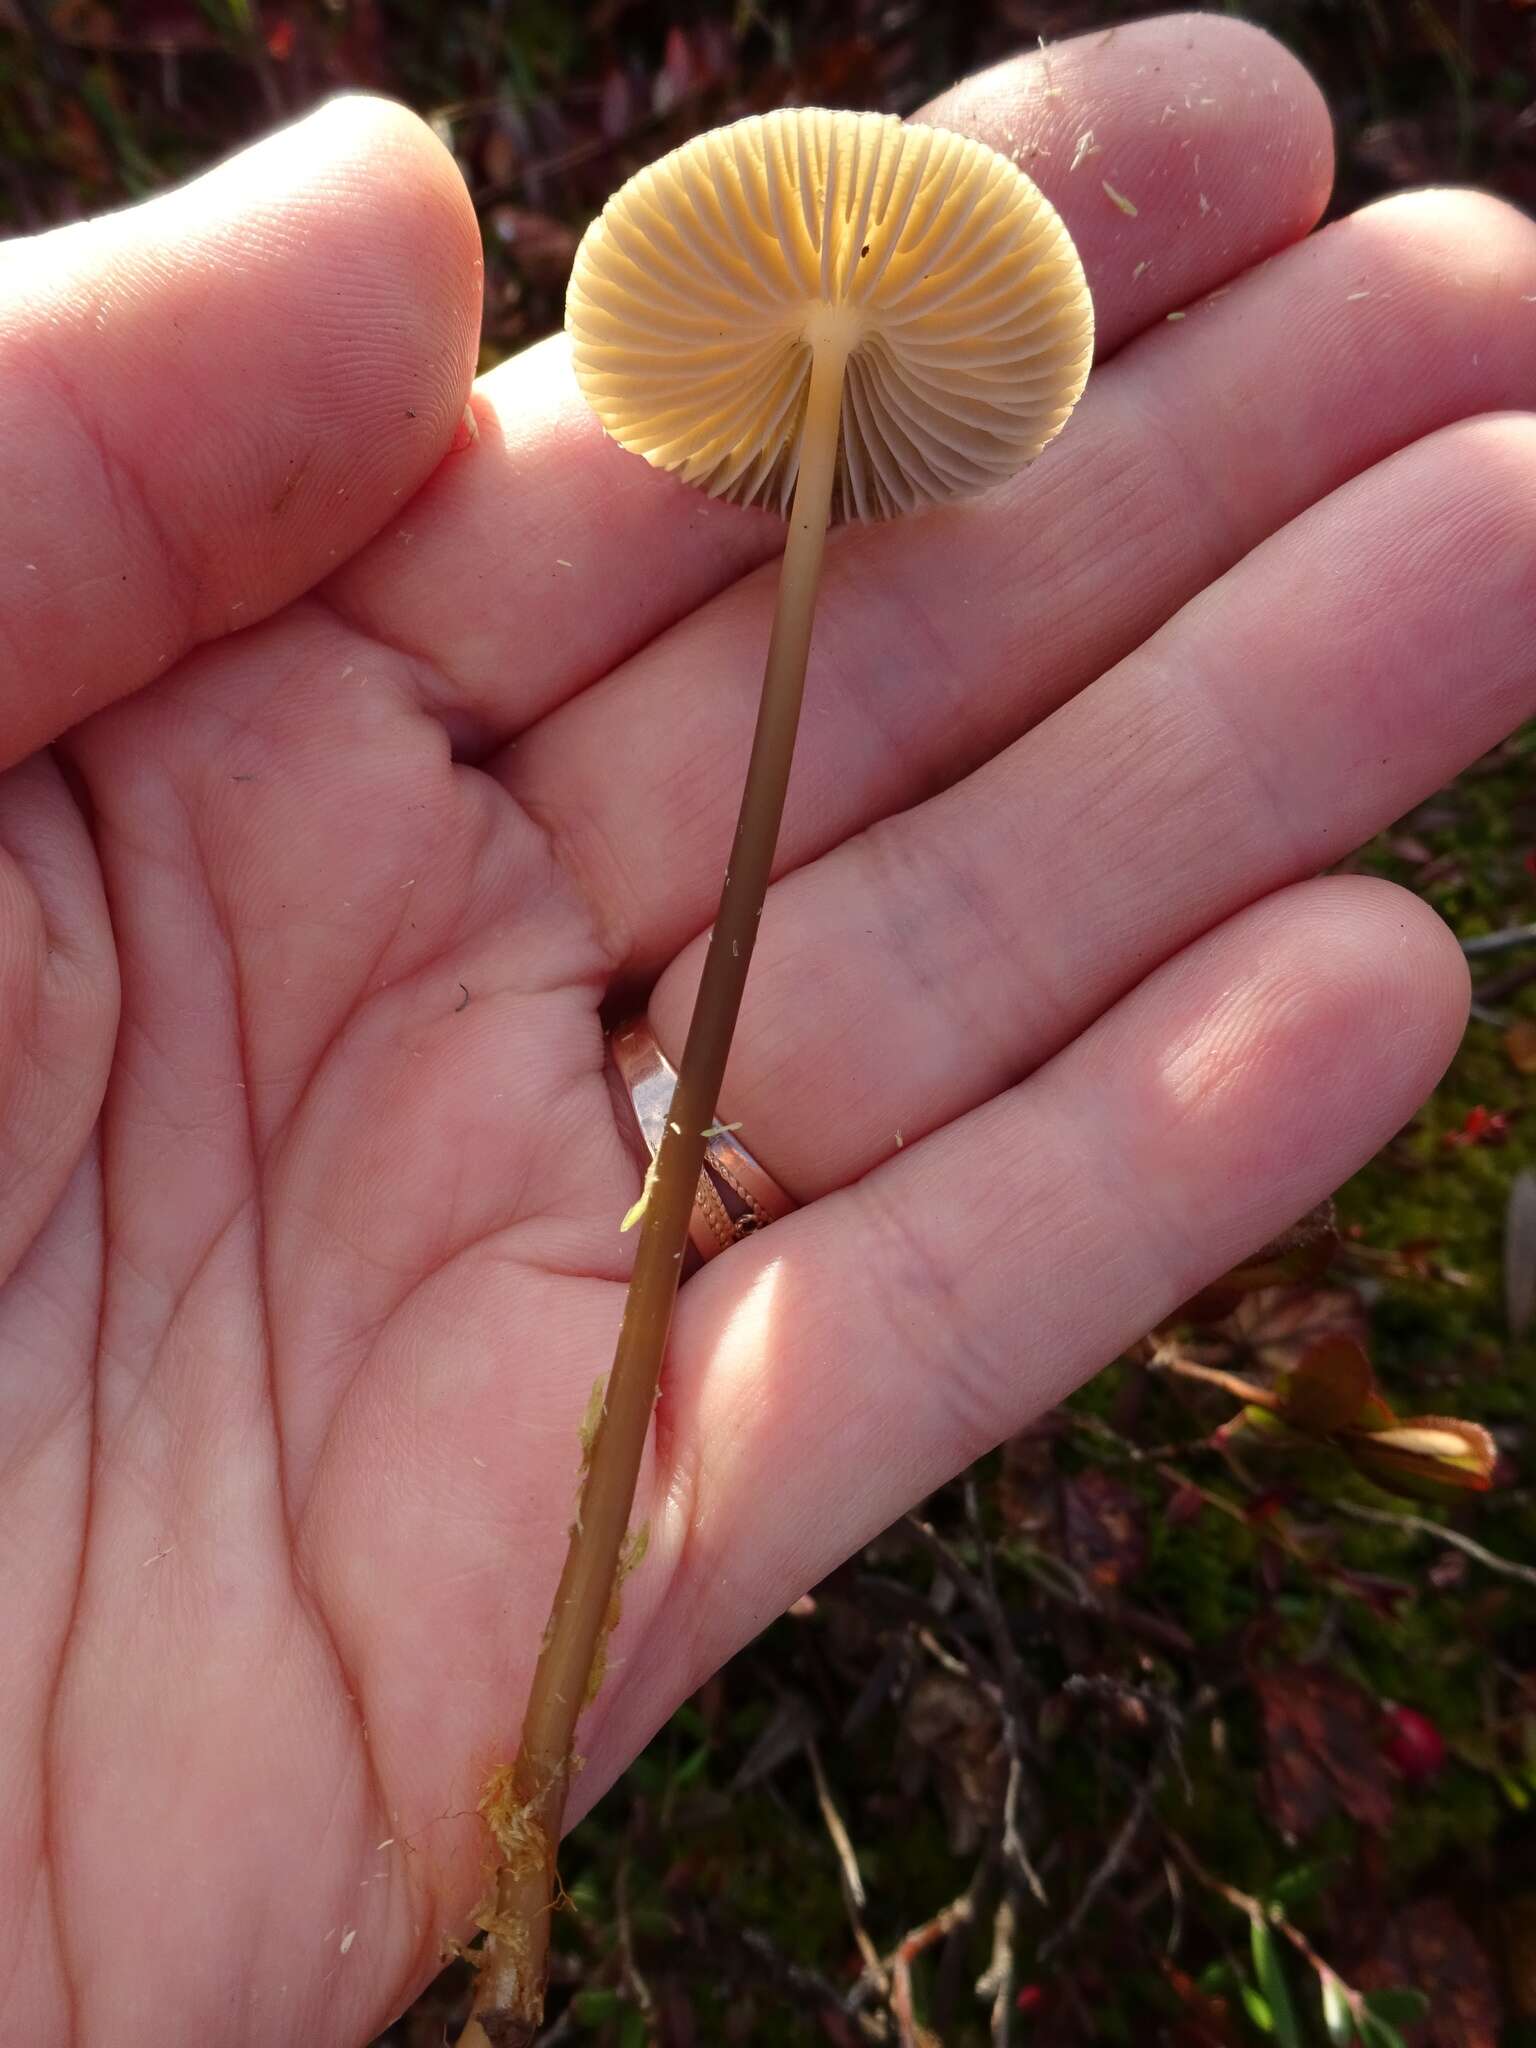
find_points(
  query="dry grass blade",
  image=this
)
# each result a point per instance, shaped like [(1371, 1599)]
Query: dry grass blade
[(1520, 1253)]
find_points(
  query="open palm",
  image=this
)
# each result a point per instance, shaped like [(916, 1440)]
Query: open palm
[(383, 765)]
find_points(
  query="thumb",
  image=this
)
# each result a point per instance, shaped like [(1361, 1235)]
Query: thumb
[(208, 401)]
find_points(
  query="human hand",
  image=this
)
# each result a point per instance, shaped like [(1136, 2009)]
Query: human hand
[(384, 764)]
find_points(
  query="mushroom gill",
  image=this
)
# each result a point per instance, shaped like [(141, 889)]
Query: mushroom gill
[(931, 263)]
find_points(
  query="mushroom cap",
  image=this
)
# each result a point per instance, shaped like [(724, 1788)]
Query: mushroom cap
[(943, 273)]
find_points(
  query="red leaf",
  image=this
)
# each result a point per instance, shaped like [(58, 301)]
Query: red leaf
[(1102, 1533), (1327, 1387), (1430, 1947), (1184, 1505), (1205, 2021), (1265, 1506), (1323, 1751), (1481, 1127)]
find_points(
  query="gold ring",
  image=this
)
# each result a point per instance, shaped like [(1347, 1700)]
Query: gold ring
[(736, 1195)]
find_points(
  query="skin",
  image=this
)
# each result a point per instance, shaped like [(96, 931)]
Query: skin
[(378, 765)]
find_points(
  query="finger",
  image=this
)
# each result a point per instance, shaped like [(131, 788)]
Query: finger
[(939, 640), (555, 542), (58, 999), (1341, 673), (870, 1347), (208, 401)]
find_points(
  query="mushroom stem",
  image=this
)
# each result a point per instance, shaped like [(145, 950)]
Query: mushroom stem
[(526, 1810)]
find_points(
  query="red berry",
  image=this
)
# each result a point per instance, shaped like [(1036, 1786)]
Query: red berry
[(1412, 1743), (1265, 1506), (1030, 1998)]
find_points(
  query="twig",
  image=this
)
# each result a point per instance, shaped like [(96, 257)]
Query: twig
[(1011, 1671), (1499, 987), (1176, 1900), (1014, 1852), (847, 1861), (1133, 1453), (951, 1560), (1230, 1383), (1498, 942), (997, 1981), (982, 1595), (1170, 1749), (878, 1687), (1175, 1720), (807, 1984), (955, 1666), (849, 1874), (1109, 1866), (959, 1912), (1269, 1916), (634, 1982), (1421, 1525), (1057, 1579)]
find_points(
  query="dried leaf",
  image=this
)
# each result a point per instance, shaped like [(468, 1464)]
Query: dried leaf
[(1296, 1257), (1102, 1533), (1424, 1456), (1025, 1488), (1520, 1253), (952, 1730), (792, 1724), (1520, 1044), (1281, 1324), (1518, 1923), (1429, 1947), (1322, 1751)]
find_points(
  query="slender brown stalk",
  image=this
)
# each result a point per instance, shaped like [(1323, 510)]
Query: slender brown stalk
[(525, 1806)]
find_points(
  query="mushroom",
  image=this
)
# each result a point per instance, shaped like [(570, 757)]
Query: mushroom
[(835, 316)]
